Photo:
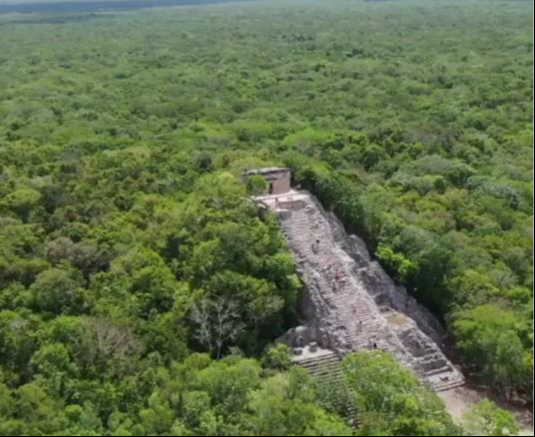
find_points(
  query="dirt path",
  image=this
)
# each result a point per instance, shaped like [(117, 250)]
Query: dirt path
[(459, 402)]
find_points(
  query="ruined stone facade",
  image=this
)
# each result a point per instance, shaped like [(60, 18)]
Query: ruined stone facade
[(351, 304), (278, 179)]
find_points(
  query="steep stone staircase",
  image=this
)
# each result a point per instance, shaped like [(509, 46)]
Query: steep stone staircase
[(325, 368), (344, 306)]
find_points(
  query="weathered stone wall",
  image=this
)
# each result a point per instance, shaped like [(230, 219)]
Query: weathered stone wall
[(281, 184), (278, 179), (382, 285)]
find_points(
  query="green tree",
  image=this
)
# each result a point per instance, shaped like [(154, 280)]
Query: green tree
[(490, 339), (22, 202), (58, 291), (391, 400), (278, 357), (284, 406), (485, 418), (256, 185)]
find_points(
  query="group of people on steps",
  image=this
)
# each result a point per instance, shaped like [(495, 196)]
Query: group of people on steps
[(338, 280)]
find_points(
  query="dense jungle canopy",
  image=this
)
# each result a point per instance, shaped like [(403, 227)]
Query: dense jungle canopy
[(122, 214)]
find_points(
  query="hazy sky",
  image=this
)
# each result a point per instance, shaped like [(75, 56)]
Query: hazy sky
[(11, 5), (18, 2)]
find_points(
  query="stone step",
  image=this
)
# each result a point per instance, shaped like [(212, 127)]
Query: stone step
[(321, 365), (446, 369), (321, 359), (327, 370), (450, 385)]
